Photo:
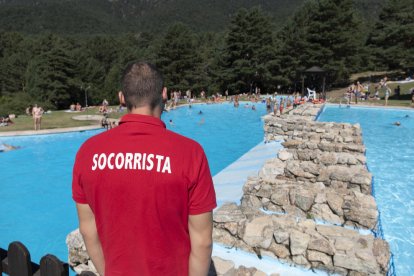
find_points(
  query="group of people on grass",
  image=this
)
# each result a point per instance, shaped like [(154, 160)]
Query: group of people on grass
[(357, 91), (75, 107)]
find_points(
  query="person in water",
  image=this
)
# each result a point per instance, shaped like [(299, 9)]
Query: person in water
[(6, 147)]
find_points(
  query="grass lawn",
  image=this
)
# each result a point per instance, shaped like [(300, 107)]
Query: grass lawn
[(57, 119), (396, 103), (391, 102)]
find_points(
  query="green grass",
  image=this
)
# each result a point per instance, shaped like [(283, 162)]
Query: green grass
[(399, 103), (391, 102), (57, 119)]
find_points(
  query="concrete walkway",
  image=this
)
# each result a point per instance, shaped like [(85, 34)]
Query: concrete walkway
[(229, 182), (48, 131)]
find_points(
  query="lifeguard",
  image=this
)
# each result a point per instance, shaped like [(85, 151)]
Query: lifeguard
[(144, 194)]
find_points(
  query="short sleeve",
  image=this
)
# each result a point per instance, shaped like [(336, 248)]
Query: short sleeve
[(78, 193), (202, 197)]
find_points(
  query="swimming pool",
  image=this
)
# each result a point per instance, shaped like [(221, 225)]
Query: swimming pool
[(35, 187), (390, 157)]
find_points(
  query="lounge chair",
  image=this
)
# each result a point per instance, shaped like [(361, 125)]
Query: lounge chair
[(311, 94)]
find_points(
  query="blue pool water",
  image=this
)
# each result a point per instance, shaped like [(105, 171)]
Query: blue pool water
[(390, 157), (35, 186)]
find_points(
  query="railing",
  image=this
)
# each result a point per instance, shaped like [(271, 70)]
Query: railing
[(16, 261)]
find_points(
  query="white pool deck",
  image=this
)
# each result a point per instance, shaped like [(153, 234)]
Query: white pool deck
[(229, 188), (229, 182)]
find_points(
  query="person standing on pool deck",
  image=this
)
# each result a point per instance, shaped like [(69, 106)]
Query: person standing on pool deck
[(37, 113), (144, 194)]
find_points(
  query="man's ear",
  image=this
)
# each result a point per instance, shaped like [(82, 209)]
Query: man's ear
[(164, 94), (121, 98)]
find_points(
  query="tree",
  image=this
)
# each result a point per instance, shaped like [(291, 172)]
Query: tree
[(392, 38), (324, 33), (178, 57), (13, 63), (49, 75), (249, 48)]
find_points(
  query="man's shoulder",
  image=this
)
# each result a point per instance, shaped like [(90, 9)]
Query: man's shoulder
[(182, 140), (95, 141)]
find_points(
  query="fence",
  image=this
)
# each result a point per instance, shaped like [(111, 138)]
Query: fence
[(16, 261)]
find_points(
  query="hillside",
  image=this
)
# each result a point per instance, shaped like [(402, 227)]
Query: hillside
[(120, 16)]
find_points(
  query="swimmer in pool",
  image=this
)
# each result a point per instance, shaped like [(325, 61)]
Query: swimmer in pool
[(171, 122), (6, 147), (200, 112), (397, 123)]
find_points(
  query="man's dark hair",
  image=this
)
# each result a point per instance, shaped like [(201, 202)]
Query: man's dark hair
[(142, 84)]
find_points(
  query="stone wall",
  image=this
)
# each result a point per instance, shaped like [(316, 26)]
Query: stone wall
[(311, 200), (310, 204), (301, 241)]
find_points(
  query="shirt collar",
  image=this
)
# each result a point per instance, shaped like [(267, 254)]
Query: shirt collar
[(144, 119)]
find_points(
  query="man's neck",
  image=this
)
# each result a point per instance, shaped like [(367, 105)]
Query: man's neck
[(147, 110)]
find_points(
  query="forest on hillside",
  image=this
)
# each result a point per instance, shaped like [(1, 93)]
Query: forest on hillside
[(114, 16), (55, 69)]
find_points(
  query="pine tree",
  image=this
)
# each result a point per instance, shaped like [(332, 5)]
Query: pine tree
[(392, 38), (249, 48), (49, 75), (178, 57), (13, 63), (326, 33)]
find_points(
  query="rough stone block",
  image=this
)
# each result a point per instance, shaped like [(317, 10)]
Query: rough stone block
[(298, 242)]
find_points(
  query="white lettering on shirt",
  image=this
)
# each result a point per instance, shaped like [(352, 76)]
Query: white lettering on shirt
[(95, 162), (150, 162), (128, 161), (159, 159), (132, 161), (167, 166), (102, 161), (110, 164), (144, 159), (137, 161)]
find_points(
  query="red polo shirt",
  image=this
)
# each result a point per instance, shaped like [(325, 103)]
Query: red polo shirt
[(142, 182)]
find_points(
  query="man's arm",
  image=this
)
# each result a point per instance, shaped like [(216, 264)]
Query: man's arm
[(200, 229), (89, 233)]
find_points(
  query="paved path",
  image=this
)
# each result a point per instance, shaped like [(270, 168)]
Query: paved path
[(229, 182), (48, 131)]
